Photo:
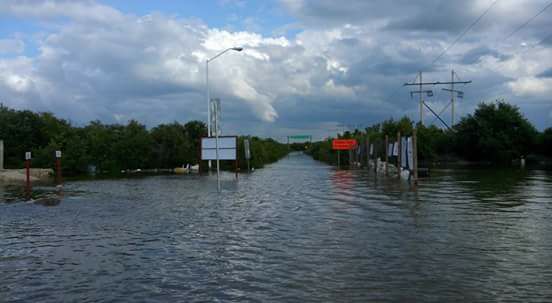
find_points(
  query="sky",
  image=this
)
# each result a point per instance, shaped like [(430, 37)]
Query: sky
[(309, 67)]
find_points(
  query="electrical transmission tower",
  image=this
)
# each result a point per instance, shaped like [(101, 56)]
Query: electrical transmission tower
[(454, 93)]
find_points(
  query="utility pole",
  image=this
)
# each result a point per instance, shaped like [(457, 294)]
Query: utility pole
[(421, 100), (452, 98), (429, 93)]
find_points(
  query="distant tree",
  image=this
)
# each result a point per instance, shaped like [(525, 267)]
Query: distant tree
[(171, 146), (195, 130), (133, 146), (21, 131), (545, 142), (496, 132), (432, 142)]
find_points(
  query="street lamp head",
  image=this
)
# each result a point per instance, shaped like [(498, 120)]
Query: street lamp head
[(238, 49)]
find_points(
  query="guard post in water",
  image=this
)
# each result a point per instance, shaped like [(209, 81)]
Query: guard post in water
[(59, 179), (28, 187)]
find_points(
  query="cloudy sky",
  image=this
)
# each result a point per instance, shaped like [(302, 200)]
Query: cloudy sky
[(308, 66)]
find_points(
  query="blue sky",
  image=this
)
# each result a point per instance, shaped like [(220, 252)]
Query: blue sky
[(267, 15), (308, 66)]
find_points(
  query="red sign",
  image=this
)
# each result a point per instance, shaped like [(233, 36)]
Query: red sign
[(344, 144)]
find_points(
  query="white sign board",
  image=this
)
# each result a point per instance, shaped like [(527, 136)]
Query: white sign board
[(27, 155), (404, 159), (226, 148), (58, 153), (409, 151)]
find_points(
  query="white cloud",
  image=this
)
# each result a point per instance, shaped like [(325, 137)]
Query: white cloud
[(14, 46), (531, 86), (85, 10), (345, 61)]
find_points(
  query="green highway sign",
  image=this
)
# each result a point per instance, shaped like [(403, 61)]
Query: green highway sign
[(300, 137)]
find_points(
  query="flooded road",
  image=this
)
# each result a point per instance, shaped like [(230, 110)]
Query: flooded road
[(297, 230)]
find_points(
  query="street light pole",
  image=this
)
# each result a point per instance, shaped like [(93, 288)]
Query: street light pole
[(237, 49), (208, 103)]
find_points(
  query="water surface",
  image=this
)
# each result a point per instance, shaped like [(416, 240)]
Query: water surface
[(297, 230)]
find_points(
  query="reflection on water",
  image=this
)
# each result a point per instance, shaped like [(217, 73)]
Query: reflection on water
[(295, 231)]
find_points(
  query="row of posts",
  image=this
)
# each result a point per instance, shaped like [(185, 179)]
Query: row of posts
[(28, 165), (414, 172)]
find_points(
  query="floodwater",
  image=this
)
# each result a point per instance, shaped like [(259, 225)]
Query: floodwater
[(297, 230)]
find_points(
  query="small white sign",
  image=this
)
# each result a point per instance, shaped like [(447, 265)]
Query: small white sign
[(58, 154), (27, 155)]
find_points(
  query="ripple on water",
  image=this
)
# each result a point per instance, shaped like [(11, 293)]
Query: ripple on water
[(297, 230)]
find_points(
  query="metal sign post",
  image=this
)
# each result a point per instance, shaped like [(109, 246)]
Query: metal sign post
[(219, 148), (216, 116), (343, 144)]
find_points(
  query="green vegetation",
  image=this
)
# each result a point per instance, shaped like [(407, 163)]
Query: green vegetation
[(263, 151), (495, 133), (115, 147)]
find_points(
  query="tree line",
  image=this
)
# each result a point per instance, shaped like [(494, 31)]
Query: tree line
[(496, 133), (110, 148)]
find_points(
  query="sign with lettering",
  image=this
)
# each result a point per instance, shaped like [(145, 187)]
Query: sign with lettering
[(344, 144)]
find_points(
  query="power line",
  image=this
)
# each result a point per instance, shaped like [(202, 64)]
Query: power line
[(395, 92), (527, 22), (530, 47), (464, 32)]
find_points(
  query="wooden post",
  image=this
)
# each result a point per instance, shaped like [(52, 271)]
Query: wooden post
[(386, 154), (249, 143), (28, 171), (338, 158), (200, 147), (237, 168), (367, 152), (58, 172), (375, 158), (58, 167), (399, 155), (1, 154), (415, 155)]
